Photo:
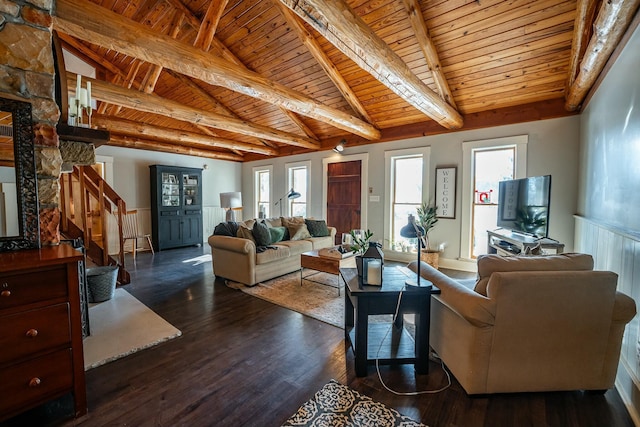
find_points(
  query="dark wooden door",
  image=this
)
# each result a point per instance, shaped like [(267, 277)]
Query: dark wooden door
[(343, 196)]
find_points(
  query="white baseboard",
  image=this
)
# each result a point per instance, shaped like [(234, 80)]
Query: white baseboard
[(453, 264)]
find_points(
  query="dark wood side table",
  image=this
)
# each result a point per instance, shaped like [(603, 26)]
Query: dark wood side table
[(363, 301)]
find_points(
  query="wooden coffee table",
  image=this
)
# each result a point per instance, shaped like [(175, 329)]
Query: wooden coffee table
[(313, 261)]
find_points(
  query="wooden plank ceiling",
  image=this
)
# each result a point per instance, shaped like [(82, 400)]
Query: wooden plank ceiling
[(244, 79)]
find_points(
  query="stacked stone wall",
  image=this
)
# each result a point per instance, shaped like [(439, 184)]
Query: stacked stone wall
[(27, 73)]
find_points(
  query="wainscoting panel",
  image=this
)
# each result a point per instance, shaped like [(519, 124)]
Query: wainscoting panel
[(618, 251), (211, 216)]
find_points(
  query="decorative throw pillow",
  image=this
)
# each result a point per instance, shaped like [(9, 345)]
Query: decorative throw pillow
[(249, 223), (277, 233), (299, 232), (228, 228), (317, 228), (245, 233), (261, 233), (291, 224), (274, 222)]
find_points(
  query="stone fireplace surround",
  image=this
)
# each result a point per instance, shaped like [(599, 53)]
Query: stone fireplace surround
[(27, 73)]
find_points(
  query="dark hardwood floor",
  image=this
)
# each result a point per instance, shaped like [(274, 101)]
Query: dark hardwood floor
[(242, 361)]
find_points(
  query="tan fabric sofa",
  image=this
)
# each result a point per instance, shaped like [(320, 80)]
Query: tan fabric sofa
[(545, 323), (236, 258)]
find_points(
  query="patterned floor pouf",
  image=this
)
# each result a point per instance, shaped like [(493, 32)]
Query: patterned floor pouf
[(339, 406)]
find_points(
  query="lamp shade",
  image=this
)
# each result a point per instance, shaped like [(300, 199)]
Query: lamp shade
[(411, 230), (231, 200), (292, 194)]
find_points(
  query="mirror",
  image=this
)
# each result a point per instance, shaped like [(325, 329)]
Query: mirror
[(19, 220)]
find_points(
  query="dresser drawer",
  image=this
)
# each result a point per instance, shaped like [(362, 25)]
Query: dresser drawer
[(29, 332), (34, 381), (34, 286)]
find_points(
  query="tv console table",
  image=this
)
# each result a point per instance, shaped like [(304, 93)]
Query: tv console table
[(506, 242)]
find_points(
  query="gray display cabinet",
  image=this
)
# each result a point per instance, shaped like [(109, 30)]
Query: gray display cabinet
[(176, 206)]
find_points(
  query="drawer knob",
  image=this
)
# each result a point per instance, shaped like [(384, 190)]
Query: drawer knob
[(34, 382), (32, 333), (5, 293)]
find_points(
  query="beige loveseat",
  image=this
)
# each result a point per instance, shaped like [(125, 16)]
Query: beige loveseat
[(543, 323), (237, 258)]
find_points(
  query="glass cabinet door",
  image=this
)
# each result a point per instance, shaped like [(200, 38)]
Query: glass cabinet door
[(190, 188), (170, 189)]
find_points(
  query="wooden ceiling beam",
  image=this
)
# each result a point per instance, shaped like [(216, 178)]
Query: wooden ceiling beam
[(219, 108), (429, 50), (339, 24), (323, 60), (108, 29), (191, 18), (130, 80), (132, 128), (165, 147), (585, 12), (610, 25), (154, 104), (153, 74), (212, 43), (209, 24), (220, 49)]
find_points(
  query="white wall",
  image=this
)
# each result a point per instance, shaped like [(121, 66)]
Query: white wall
[(553, 149), (131, 180), (609, 196)]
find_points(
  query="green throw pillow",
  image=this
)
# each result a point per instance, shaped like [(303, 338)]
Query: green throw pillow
[(261, 234), (277, 233), (317, 228)]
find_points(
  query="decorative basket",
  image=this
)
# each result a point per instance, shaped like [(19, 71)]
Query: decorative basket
[(102, 282), (431, 258)]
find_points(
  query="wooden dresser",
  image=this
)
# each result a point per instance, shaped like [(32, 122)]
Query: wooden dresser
[(41, 354)]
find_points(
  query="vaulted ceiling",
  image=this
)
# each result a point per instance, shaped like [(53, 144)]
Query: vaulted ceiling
[(244, 79)]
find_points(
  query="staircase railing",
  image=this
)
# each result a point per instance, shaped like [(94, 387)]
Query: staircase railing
[(86, 203)]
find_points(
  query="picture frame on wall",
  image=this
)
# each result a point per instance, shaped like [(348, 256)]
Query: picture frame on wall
[(445, 199)]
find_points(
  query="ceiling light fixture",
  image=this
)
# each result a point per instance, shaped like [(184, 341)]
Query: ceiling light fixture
[(340, 147)]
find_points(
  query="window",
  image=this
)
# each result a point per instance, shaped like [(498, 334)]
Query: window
[(490, 167), (298, 179), (485, 163), (406, 181), (262, 191)]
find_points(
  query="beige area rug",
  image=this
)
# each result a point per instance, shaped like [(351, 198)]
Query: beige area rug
[(312, 299), (122, 326)]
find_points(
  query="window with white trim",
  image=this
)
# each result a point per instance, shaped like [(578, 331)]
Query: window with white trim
[(298, 180), (406, 176), (262, 191), (485, 164)]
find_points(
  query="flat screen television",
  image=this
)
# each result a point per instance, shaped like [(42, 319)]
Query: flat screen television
[(523, 205)]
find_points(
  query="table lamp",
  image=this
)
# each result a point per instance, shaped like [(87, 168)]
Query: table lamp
[(231, 201), (411, 231)]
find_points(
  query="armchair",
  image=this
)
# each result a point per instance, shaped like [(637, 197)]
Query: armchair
[(547, 323)]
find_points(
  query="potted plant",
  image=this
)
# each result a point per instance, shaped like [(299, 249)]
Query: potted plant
[(360, 242), (359, 245), (427, 218)]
